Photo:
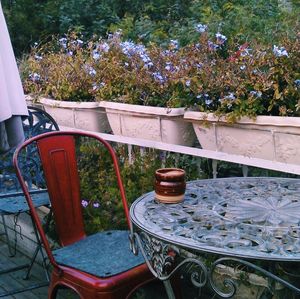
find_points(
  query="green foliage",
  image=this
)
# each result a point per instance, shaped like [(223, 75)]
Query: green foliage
[(103, 208), (30, 21), (88, 16), (266, 21)]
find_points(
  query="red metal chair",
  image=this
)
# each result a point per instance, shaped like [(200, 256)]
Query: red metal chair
[(96, 266)]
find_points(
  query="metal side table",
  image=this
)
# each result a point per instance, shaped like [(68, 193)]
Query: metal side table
[(234, 220)]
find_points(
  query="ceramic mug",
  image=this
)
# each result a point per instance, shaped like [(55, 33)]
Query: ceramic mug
[(169, 185)]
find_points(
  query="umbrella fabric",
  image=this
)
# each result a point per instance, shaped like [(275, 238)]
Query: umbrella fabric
[(12, 99)]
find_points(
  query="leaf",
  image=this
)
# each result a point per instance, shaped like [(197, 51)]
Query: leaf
[(277, 93)]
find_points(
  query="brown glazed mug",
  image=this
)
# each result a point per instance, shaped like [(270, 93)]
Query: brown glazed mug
[(169, 185)]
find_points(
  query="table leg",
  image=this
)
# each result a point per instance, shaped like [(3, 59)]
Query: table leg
[(169, 289)]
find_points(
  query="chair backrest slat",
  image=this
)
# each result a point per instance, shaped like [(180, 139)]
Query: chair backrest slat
[(59, 161)]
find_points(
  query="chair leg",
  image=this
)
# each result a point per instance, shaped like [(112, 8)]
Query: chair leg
[(10, 250), (39, 248), (55, 286), (32, 260), (52, 292), (27, 266)]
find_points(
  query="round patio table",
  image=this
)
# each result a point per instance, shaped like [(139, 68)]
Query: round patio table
[(235, 220)]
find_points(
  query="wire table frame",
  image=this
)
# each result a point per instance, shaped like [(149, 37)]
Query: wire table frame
[(237, 221)]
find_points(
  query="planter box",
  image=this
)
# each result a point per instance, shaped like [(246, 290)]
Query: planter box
[(273, 138), (153, 123), (80, 115)]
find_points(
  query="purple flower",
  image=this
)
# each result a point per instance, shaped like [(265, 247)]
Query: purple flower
[(200, 28), (168, 66), (162, 156), (118, 33), (84, 203), (98, 86), (35, 77), (38, 57), (188, 83), (245, 52), (104, 47), (231, 96), (221, 39), (228, 99), (96, 55), (280, 51), (208, 101), (297, 83), (174, 44), (158, 76), (256, 94), (212, 45), (96, 204), (90, 70), (63, 42), (79, 42)]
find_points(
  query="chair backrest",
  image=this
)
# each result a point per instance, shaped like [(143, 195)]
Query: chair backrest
[(37, 122), (59, 162), (57, 153)]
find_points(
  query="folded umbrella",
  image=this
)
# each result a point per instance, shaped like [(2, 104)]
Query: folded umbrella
[(12, 99)]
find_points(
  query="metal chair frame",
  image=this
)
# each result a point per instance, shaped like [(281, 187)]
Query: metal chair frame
[(37, 122), (58, 157)]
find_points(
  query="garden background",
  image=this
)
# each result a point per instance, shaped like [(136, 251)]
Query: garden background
[(266, 21), (31, 22)]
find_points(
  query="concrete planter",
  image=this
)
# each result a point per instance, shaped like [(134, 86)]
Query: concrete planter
[(273, 138), (80, 115), (152, 123)]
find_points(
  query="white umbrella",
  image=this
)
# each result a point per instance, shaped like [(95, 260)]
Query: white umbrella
[(12, 99)]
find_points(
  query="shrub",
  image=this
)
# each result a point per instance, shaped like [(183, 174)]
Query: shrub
[(211, 75), (151, 21), (69, 69), (253, 81), (100, 195)]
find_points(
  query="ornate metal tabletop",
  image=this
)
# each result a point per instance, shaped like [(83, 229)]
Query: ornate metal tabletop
[(256, 218)]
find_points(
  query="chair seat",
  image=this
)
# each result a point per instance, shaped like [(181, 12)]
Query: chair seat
[(103, 254), (11, 203)]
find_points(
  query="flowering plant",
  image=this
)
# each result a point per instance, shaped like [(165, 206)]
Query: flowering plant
[(210, 75), (112, 69), (252, 81)]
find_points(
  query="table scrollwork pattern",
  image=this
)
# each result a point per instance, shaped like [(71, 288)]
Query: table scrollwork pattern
[(160, 258)]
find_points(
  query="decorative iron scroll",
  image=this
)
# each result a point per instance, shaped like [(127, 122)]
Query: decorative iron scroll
[(230, 284), (160, 258), (37, 122)]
